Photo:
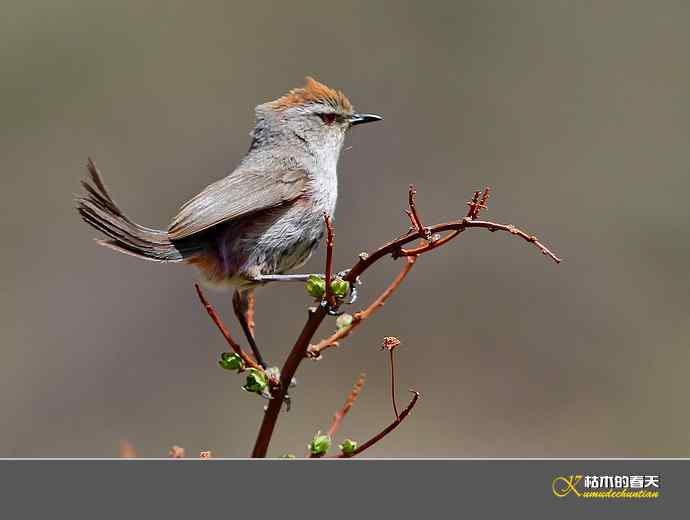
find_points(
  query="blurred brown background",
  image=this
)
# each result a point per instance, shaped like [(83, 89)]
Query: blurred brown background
[(577, 113)]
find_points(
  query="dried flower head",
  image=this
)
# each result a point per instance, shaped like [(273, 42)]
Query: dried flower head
[(389, 343), (176, 452)]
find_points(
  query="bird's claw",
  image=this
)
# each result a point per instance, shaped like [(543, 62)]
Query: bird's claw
[(353, 287)]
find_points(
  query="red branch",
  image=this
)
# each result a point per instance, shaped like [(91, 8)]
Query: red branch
[(395, 249), (479, 202), (293, 360), (459, 226), (248, 361), (330, 298), (413, 213), (392, 426), (314, 351), (338, 417), (390, 343), (251, 304)]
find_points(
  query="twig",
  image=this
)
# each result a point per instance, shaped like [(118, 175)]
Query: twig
[(413, 213), (330, 298), (278, 393), (465, 223), (394, 247), (340, 414), (224, 331), (251, 304), (479, 202), (293, 360), (241, 306), (395, 407), (390, 343), (338, 417), (376, 438), (317, 315), (332, 341)]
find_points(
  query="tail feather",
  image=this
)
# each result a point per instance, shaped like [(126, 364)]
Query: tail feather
[(99, 210)]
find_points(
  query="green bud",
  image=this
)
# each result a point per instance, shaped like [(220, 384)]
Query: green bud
[(288, 456), (316, 286), (256, 381), (340, 287), (319, 444), (348, 447), (343, 321), (230, 361)]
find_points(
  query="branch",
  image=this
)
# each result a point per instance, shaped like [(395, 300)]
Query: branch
[(251, 304), (390, 343), (340, 414), (395, 249), (330, 298), (376, 438), (338, 417), (248, 361), (456, 227), (316, 316), (278, 393), (414, 214), (332, 341), (459, 226), (479, 202), (243, 305)]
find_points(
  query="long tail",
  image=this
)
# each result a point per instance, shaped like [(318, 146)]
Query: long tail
[(100, 211)]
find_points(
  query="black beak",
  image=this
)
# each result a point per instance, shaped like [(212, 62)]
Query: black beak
[(360, 119)]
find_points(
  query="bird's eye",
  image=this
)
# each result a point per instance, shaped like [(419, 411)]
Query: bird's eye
[(328, 119)]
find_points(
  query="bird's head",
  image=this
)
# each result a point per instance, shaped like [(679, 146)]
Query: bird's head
[(314, 116)]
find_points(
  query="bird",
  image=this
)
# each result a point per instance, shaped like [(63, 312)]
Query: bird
[(261, 221)]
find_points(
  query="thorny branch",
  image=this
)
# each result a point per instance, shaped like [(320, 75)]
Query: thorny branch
[(430, 240)]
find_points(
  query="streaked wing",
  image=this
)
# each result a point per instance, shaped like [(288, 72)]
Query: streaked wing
[(238, 195)]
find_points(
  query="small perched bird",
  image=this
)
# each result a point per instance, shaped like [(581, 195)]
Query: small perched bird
[(265, 218)]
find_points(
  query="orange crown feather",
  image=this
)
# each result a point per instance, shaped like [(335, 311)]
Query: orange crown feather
[(314, 92)]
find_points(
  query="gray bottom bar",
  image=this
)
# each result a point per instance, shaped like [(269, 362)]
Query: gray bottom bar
[(287, 489)]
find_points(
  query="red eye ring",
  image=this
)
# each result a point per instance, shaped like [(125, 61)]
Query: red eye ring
[(328, 119)]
